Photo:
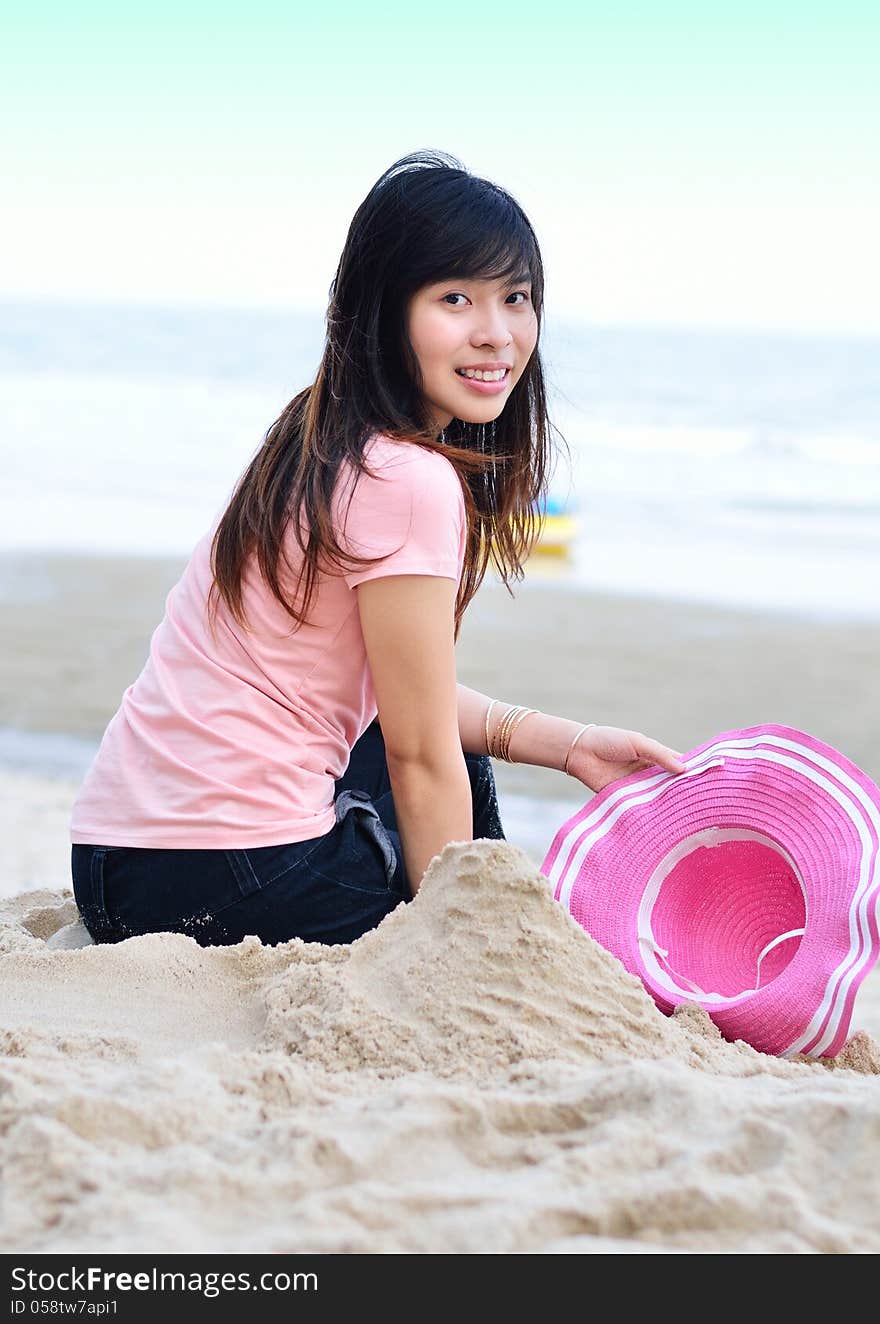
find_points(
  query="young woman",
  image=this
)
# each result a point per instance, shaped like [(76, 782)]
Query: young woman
[(296, 748)]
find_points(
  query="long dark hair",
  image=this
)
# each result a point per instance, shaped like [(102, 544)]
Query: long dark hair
[(425, 219)]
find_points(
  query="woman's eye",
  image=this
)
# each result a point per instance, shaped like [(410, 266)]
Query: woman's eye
[(517, 294)]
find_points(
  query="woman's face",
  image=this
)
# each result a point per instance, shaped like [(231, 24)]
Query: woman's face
[(473, 324)]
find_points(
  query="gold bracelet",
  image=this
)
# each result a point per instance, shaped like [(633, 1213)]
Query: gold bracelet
[(509, 717), (527, 712), (496, 743), (572, 745), (493, 743), (492, 703), (500, 747)]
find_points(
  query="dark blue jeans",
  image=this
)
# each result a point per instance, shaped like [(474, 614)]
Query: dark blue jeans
[(329, 889)]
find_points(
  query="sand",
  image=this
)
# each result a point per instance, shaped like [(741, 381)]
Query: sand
[(475, 1075)]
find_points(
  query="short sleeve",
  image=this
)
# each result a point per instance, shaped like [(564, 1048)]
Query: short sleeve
[(411, 515)]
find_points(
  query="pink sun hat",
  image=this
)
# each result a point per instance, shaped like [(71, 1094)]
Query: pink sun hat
[(748, 884)]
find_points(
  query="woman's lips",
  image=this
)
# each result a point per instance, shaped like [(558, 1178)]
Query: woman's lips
[(485, 388)]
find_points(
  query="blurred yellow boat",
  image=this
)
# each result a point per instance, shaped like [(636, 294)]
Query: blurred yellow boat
[(559, 529)]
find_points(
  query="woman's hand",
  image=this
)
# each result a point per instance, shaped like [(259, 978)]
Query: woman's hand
[(605, 753)]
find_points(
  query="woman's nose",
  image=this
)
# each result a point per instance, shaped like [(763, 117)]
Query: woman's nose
[(493, 331)]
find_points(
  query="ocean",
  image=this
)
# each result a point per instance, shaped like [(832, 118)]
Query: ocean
[(731, 467)]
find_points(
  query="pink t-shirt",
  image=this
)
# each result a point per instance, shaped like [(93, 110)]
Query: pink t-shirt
[(236, 742)]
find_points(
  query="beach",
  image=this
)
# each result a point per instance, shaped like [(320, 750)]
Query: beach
[(477, 1074)]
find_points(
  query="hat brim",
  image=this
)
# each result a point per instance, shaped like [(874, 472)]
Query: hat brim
[(764, 851)]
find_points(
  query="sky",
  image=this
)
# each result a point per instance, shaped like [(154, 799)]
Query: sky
[(685, 163)]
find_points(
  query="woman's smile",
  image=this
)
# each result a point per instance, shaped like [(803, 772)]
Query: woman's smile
[(489, 383)]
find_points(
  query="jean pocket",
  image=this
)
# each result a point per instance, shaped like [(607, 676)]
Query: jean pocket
[(87, 876), (365, 858)]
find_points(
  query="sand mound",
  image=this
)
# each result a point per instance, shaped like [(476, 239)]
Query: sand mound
[(482, 970), (474, 1075)]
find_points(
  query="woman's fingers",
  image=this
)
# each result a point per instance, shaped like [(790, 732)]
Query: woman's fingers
[(630, 751), (653, 752)]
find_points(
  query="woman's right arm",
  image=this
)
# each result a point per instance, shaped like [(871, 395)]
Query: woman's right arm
[(408, 627)]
